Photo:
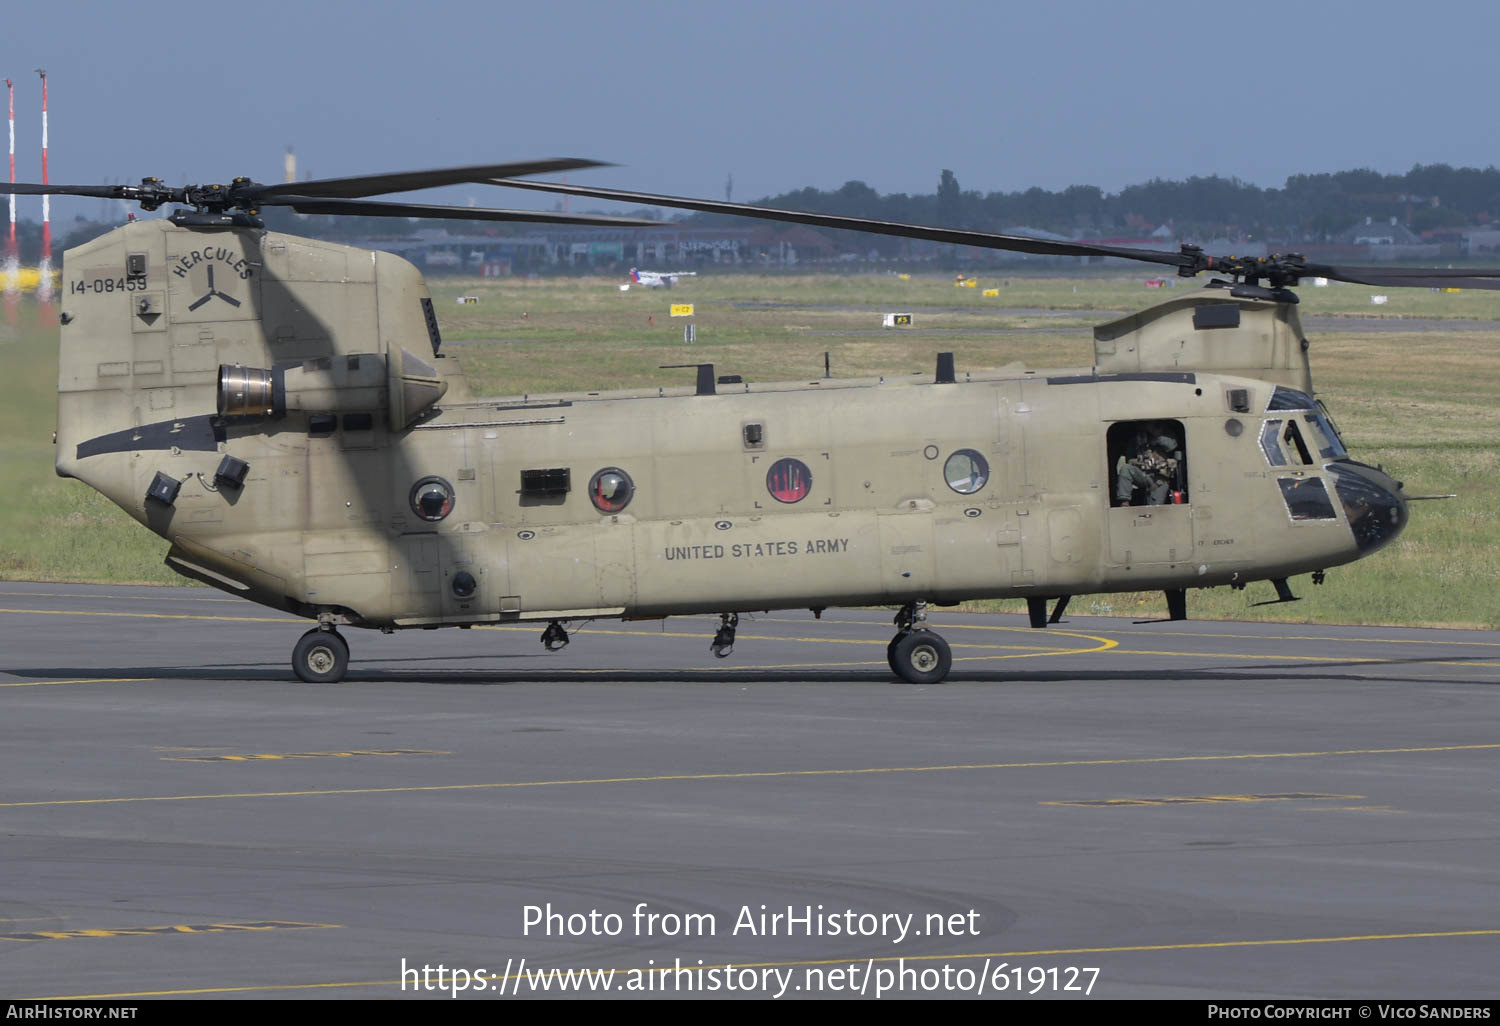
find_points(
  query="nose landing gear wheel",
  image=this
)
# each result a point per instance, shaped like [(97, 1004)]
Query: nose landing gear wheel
[(920, 657), (321, 657)]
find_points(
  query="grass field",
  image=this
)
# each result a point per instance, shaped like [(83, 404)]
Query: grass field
[(51, 529), (1414, 397)]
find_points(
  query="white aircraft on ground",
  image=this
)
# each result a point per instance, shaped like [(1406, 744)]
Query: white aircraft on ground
[(658, 279)]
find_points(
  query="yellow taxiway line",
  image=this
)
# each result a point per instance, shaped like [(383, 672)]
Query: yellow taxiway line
[(84, 680), (854, 960), (748, 775)]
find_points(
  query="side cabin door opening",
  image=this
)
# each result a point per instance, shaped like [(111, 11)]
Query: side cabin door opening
[(1150, 516)]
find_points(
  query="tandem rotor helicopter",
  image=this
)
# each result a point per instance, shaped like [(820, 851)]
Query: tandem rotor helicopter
[(280, 410)]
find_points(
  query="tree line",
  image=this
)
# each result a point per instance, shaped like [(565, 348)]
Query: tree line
[(1308, 207)]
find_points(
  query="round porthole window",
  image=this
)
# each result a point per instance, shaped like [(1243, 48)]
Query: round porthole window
[(966, 471), (432, 499), (789, 480), (611, 489), (464, 584)]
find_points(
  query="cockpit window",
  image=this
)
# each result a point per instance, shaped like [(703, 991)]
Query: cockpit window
[(1284, 398), (1296, 448), (1324, 438), (1306, 498), (1322, 408), (1270, 444)]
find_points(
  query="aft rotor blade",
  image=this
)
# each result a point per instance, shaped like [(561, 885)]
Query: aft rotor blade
[(406, 181), (378, 208), (960, 237), (28, 189)]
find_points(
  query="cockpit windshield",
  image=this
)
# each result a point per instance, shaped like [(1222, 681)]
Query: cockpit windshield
[(1321, 433), (1325, 438), (1284, 398), (1270, 444)]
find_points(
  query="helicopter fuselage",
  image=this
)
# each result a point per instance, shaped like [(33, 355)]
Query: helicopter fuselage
[(257, 400)]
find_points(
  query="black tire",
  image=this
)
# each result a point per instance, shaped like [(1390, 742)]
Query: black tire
[(890, 653), (321, 657), (921, 657)]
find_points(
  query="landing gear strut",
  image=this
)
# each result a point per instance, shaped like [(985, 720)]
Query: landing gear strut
[(723, 642), (555, 637), (916, 654), (321, 656)]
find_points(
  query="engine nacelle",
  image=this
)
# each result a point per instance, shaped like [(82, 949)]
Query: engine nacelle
[(405, 387)]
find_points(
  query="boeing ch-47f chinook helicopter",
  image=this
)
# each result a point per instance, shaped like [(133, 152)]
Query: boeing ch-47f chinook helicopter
[(280, 411)]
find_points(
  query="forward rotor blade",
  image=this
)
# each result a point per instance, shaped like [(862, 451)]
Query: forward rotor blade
[(378, 208), (985, 240), (1411, 277), (1189, 262), (406, 181)]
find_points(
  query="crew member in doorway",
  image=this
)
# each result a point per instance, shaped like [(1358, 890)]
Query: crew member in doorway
[(1147, 468)]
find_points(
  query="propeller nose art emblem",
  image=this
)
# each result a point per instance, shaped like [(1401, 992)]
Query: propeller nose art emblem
[(213, 291), (212, 282)]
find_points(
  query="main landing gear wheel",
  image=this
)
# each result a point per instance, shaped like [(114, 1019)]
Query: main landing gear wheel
[(920, 657), (555, 637), (321, 657), (723, 642)]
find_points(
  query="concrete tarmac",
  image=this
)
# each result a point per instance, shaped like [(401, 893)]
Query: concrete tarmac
[(1168, 810)]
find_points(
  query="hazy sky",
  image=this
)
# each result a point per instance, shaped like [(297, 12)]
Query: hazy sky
[(780, 94)]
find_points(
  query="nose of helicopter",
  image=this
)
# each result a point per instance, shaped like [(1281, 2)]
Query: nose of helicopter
[(1373, 502)]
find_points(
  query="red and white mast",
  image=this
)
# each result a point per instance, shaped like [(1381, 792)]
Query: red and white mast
[(12, 255), (44, 288)]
